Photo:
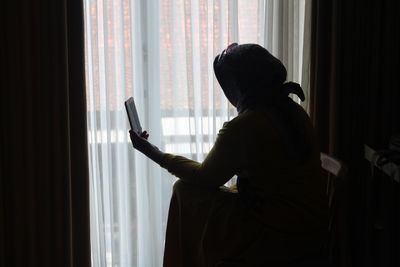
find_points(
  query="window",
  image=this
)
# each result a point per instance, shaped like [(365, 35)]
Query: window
[(161, 53)]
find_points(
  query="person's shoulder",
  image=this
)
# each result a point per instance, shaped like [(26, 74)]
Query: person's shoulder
[(248, 117), (245, 121)]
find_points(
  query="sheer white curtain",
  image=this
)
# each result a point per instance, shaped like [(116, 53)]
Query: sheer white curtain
[(161, 53)]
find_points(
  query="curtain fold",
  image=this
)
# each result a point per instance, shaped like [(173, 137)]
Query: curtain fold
[(325, 53), (44, 212), (354, 102), (161, 53)]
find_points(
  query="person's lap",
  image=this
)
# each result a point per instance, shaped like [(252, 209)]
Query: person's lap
[(206, 226)]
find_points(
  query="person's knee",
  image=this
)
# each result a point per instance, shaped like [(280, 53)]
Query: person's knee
[(182, 186), (179, 185)]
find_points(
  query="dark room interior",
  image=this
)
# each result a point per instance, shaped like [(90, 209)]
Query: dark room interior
[(44, 184)]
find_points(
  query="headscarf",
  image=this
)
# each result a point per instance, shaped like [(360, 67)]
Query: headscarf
[(253, 78), (249, 75)]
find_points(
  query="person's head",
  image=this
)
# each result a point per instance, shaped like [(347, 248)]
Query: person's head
[(248, 73)]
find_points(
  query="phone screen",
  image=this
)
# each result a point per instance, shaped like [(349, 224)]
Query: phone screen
[(133, 115)]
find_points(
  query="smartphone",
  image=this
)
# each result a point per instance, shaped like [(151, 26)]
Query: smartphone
[(133, 115)]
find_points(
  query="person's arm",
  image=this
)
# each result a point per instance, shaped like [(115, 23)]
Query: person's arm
[(221, 163)]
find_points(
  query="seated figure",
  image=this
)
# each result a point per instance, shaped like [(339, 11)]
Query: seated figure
[(277, 212)]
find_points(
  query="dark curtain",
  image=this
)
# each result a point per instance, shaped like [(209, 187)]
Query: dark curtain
[(355, 100), (44, 193)]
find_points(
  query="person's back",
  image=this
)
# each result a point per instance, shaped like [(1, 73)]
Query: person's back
[(286, 185)]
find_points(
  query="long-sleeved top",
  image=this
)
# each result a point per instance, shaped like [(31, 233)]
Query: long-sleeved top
[(292, 190)]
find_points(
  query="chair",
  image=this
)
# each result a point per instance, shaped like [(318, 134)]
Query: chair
[(336, 172)]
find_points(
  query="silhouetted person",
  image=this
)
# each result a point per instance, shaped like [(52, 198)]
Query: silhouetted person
[(278, 213)]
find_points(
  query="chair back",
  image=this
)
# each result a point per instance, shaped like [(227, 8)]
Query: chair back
[(336, 250), (337, 171)]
